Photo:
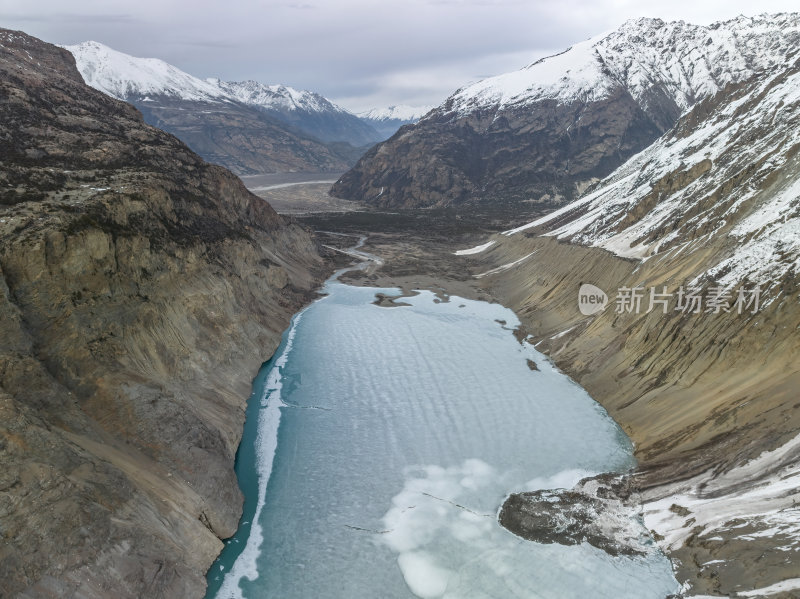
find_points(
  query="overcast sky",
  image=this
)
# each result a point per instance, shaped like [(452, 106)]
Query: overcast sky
[(360, 53)]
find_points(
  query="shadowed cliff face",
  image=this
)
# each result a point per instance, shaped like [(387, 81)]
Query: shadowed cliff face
[(243, 138), (140, 288), (542, 152)]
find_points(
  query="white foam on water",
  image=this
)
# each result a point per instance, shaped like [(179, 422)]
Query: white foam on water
[(269, 420), (434, 506), (423, 576)]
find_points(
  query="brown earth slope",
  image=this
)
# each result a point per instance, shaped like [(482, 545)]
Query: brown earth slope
[(140, 289)]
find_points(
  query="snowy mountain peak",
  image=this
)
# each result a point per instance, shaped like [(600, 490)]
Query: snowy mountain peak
[(278, 97), (150, 84), (399, 112), (124, 77), (682, 61), (127, 77)]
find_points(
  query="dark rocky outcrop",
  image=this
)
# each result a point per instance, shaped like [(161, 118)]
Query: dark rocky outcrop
[(598, 510), (546, 152), (243, 138), (140, 289)]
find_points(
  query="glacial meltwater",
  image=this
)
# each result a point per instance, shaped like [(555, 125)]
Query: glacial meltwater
[(380, 444)]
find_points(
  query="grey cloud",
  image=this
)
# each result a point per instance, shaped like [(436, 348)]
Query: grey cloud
[(359, 51), (56, 18)]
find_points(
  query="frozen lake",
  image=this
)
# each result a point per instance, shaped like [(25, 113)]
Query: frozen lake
[(380, 444)]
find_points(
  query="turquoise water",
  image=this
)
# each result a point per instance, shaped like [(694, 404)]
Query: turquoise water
[(380, 444)]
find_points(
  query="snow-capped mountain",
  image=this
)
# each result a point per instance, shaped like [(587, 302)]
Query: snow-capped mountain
[(545, 132), (129, 78), (305, 110), (248, 127), (388, 120), (399, 112), (125, 77), (650, 58), (279, 97)]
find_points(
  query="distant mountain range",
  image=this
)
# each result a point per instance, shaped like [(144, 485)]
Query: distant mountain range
[(248, 126), (544, 133)]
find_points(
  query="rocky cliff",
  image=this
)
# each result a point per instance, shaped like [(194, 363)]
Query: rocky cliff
[(243, 138), (140, 289), (705, 387), (543, 134)]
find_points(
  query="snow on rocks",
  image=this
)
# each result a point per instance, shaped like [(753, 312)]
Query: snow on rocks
[(763, 492), (682, 61), (731, 176)]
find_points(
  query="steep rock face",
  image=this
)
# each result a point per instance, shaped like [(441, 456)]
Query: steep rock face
[(219, 121), (488, 155), (140, 288), (546, 132), (707, 396), (241, 138)]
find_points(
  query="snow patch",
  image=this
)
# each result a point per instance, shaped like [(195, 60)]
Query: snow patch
[(475, 250), (784, 586), (764, 492), (505, 266)]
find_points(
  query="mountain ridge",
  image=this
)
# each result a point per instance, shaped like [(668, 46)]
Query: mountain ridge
[(248, 127), (544, 133), (388, 121)]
